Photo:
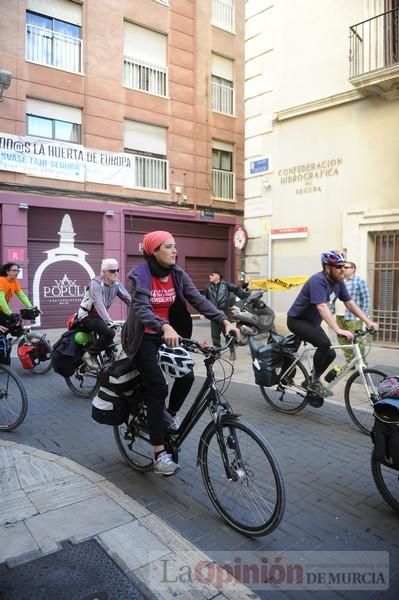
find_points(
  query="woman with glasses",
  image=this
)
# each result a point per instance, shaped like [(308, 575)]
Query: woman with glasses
[(314, 304), (93, 311), (9, 286)]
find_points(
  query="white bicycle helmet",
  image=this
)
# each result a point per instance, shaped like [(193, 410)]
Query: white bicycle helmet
[(176, 361)]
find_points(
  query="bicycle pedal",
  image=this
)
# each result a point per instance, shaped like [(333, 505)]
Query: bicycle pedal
[(314, 400)]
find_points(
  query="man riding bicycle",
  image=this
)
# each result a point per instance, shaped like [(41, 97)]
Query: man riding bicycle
[(314, 304), (8, 287), (93, 311)]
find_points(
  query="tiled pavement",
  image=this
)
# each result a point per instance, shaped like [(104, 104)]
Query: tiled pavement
[(332, 502)]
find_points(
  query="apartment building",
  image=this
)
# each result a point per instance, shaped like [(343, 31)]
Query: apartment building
[(121, 116), (322, 149)]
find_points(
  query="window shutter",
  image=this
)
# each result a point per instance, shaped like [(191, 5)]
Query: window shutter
[(222, 67), (218, 145), (63, 10), (146, 138), (144, 44), (60, 112)]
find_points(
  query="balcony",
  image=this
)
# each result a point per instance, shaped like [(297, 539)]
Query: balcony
[(222, 98), (139, 75), (223, 14), (374, 55), (54, 49), (150, 173), (222, 184)]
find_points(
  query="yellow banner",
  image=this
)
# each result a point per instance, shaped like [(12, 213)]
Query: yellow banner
[(278, 283)]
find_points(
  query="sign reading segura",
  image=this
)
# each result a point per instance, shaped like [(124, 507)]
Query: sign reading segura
[(57, 160)]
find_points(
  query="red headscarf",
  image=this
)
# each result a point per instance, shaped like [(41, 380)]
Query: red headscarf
[(153, 239)]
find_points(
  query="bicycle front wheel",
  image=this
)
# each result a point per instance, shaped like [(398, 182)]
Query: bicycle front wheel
[(82, 384), (360, 397), (289, 395), (253, 501), (387, 481), (13, 400), (43, 348)]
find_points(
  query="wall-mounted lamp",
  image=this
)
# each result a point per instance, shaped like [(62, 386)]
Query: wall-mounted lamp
[(23, 206), (5, 80), (109, 213)]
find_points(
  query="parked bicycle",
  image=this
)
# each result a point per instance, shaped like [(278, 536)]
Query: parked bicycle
[(33, 349), (84, 382), (13, 399), (290, 391), (240, 471)]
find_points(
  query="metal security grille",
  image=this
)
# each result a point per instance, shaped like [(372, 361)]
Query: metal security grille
[(386, 285)]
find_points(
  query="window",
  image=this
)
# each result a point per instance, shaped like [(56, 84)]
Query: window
[(222, 170), (145, 60), (222, 92), (148, 145), (223, 14), (54, 37), (53, 121)]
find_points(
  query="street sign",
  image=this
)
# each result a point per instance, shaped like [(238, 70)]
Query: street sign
[(259, 166), (284, 233)]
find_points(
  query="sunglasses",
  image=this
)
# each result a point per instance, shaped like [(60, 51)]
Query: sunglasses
[(113, 270), (339, 267)]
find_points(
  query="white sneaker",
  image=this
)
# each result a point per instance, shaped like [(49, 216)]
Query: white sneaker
[(91, 361), (164, 465), (172, 422)]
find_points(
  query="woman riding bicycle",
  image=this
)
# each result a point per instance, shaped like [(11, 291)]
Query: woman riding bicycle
[(8, 287), (159, 292)]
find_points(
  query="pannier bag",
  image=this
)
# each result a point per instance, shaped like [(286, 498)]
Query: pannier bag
[(266, 360), (28, 356), (66, 354), (117, 385), (386, 432), (5, 350)]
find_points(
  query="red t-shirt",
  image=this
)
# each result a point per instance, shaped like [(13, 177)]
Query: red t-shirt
[(163, 294)]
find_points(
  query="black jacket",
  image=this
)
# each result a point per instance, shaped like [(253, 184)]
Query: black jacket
[(219, 293)]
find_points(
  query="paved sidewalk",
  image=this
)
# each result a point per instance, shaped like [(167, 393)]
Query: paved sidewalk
[(46, 499)]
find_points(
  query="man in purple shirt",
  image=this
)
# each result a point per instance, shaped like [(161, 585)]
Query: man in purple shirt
[(313, 305), (93, 310)]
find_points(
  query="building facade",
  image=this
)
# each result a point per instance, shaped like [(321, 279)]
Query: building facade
[(322, 103), (121, 117)]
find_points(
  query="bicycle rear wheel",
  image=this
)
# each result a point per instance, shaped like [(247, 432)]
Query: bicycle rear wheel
[(42, 347), (83, 383), (360, 398), (253, 501), (134, 443), (387, 482), (13, 400), (289, 394)]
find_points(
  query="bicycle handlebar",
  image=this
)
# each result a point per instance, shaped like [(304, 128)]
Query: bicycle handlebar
[(194, 345), (361, 332)]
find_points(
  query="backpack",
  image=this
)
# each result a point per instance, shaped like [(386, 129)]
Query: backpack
[(118, 383), (66, 355)]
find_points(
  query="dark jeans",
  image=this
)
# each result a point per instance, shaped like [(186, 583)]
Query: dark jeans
[(315, 335), (216, 332), (105, 334), (156, 387)]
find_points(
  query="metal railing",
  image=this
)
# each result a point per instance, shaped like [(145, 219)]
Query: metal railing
[(223, 184), (143, 76), (374, 44), (223, 14), (150, 173), (55, 49), (222, 98)]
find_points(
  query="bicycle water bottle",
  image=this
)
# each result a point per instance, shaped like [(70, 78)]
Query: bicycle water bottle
[(331, 375)]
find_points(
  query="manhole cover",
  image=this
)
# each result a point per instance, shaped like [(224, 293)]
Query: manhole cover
[(77, 572)]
